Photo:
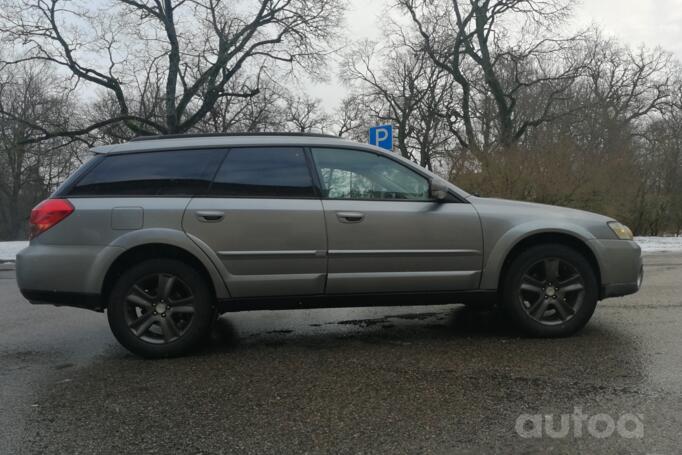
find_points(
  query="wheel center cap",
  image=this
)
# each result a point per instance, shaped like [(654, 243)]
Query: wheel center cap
[(160, 308), (551, 292)]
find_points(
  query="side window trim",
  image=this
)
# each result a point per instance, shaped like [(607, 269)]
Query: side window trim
[(312, 169), (207, 192)]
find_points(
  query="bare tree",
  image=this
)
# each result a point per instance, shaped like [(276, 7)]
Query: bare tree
[(167, 63), (471, 40), (394, 93), (626, 87), (33, 101), (658, 205), (303, 114), (351, 118), (261, 112)]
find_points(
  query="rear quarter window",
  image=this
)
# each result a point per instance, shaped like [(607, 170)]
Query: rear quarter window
[(67, 185), (166, 173)]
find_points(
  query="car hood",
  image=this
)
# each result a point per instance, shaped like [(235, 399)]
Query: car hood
[(533, 208)]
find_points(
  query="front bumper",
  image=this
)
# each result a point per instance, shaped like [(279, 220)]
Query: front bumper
[(620, 263), (621, 289)]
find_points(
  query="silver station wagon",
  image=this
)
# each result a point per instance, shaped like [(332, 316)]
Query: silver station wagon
[(166, 233)]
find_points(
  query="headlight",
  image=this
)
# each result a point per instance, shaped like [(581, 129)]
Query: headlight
[(622, 231)]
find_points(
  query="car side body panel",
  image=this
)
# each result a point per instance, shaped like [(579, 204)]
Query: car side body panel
[(265, 247), (399, 246)]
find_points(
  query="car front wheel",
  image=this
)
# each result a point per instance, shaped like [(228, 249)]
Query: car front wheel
[(160, 308), (550, 291)]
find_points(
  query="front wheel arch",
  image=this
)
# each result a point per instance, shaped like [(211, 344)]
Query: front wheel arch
[(549, 238)]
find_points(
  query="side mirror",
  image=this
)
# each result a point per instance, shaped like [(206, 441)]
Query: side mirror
[(438, 190)]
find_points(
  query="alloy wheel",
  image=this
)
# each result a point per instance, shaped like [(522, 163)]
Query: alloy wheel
[(159, 308), (551, 291)]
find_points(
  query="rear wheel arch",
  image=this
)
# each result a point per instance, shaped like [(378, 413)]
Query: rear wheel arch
[(549, 238), (144, 252)]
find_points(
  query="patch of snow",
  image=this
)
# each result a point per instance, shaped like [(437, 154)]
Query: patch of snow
[(9, 250), (659, 244)]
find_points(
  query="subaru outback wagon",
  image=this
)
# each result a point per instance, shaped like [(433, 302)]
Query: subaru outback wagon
[(166, 233)]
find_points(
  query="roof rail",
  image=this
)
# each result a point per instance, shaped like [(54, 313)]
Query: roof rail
[(192, 135)]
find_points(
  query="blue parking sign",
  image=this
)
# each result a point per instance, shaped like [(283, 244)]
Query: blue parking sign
[(382, 136)]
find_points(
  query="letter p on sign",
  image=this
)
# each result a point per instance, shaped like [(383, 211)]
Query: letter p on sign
[(382, 136)]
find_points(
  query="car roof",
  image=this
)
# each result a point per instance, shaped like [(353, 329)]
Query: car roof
[(199, 141), (176, 142)]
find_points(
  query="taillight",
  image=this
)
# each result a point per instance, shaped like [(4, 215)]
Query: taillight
[(47, 214)]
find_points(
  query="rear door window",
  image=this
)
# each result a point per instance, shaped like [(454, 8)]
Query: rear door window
[(166, 173), (264, 172)]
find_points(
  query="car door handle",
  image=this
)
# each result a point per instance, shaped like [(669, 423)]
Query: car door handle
[(350, 217), (210, 216)]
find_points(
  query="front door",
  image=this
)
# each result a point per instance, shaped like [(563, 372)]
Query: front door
[(263, 219), (384, 232)]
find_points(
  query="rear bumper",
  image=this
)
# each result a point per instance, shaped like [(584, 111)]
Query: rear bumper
[(63, 275), (60, 298), (63, 269)]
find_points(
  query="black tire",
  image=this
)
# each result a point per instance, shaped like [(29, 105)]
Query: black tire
[(161, 308), (542, 308)]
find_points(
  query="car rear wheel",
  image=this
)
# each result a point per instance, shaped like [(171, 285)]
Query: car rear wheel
[(550, 291), (160, 308)]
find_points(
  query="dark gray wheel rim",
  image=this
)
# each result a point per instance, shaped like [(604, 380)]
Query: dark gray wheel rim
[(159, 308), (551, 291)]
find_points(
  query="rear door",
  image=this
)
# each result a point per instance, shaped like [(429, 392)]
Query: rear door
[(384, 232), (264, 220)]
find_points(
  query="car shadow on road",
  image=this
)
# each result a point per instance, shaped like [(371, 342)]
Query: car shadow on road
[(395, 326)]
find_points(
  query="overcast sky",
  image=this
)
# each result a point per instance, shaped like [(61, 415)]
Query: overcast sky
[(634, 22)]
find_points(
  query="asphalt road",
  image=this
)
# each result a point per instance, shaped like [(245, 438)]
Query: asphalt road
[(403, 379)]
